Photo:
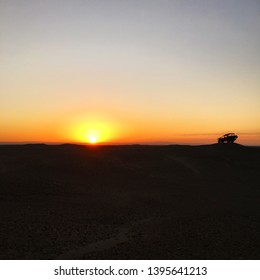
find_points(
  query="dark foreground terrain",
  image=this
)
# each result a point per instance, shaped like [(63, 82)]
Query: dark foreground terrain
[(129, 202)]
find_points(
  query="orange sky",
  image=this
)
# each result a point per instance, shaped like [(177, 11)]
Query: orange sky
[(156, 72)]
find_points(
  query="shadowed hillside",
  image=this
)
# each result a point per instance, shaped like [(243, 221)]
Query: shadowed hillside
[(129, 202)]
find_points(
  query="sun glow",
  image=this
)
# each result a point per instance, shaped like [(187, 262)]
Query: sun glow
[(92, 130), (93, 136), (92, 139)]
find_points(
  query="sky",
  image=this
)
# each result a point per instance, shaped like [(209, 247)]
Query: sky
[(129, 71)]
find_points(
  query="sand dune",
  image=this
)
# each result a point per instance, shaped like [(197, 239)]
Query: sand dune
[(129, 202)]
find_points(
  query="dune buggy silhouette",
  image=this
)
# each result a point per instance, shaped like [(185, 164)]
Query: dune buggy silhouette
[(228, 138)]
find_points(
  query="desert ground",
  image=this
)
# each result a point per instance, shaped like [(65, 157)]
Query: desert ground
[(129, 202)]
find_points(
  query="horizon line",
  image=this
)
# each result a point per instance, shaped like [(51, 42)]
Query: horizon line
[(158, 143)]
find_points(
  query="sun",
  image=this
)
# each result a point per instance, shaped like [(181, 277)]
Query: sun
[(92, 130), (92, 139), (93, 136)]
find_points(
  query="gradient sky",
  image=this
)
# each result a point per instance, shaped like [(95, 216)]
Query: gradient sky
[(134, 71)]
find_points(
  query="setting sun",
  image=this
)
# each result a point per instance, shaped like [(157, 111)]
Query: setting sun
[(92, 134), (93, 137), (92, 129)]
